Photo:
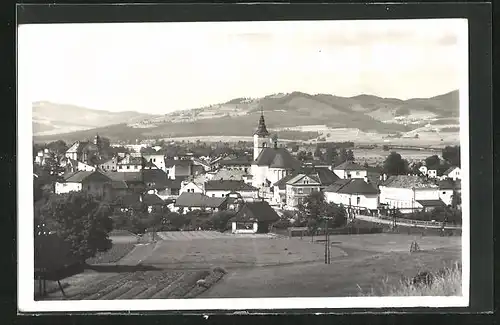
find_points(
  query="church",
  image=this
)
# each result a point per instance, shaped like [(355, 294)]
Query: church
[(270, 163)]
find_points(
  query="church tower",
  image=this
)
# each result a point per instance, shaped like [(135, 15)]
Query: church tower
[(260, 137)]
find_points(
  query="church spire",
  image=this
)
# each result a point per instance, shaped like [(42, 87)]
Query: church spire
[(261, 129)]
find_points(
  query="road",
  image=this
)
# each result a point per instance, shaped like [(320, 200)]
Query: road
[(407, 224)]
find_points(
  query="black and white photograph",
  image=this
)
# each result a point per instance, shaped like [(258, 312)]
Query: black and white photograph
[(243, 165)]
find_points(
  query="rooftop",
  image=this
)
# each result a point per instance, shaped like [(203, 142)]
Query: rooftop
[(352, 186), (277, 158), (349, 165), (231, 185), (408, 181), (198, 200), (256, 211)]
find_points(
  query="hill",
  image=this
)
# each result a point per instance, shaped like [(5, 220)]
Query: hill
[(53, 118), (284, 113)]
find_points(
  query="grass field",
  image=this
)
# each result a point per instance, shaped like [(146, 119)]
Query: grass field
[(260, 266), (342, 278), (233, 251)]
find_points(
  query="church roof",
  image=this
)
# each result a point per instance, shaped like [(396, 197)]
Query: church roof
[(277, 158), (261, 129)]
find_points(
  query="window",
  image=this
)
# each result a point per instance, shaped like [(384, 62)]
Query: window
[(128, 167), (444, 192), (213, 195), (358, 200), (154, 160), (300, 190)]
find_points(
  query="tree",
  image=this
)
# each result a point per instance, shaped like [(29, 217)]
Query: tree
[(302, 155), (59, 147), (313, 209), (331, 155), (415, 168), (336, 214), (432, 161), (51, 165), (309, 155), (456, 199), (81, 220), (343, 156), (366, 165), (451, 154), (395, 165), (350, 155), (317, 153)]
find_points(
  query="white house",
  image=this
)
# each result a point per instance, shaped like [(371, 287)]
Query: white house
[(453, 173), (350, 169), (130, 164), (157, 160), (253, 217), (299, 187), (355, 192), (191, 187), (221, 188), (196, 201), (408, 193)]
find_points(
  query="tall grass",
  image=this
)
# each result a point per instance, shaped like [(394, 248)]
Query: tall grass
[(447, 282)]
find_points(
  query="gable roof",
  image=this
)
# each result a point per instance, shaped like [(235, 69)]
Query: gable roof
[(440, 169), (245, 160), (408, 181), (352, 186), (231, 185), (449, 170), (447, 184), (178, 162), (157, 178), (349, 165), (256, 211), (282, 182), (125, 176), (326, 176), (301, 176), (81, 176), (198, 200), (277, 158), (431, 203)]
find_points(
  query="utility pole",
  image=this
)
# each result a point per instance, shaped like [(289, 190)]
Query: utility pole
[(327, 242)]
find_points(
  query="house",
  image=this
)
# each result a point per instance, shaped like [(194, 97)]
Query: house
[(325, 176), (253, 217), (299, 187), (447, 189), (197, 201), (192, 187), (453, 173), (220, 188), (270, 163), (157, 160), (131, 163), (109, 165), (84, 150), (408, 192), (241, 163), (42, 156), (139, 202), (133, 180), (92, 182), (204, 164), (350, 169), (178, 168), (357, 193), (436, 171), (157, 182)]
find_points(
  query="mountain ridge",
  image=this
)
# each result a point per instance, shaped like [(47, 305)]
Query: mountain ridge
[(238, 117)]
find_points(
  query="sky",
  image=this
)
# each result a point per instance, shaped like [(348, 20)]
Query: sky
[(161, 67)]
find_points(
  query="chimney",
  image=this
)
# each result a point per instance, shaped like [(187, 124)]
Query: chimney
[(385, 177), (381, 177)]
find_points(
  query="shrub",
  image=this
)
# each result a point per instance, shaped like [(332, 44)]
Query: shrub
[(281, 224)]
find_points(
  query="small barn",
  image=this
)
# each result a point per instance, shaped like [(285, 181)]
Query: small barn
[(253, 217)]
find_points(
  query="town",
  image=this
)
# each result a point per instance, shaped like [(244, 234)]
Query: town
[(266, 188)]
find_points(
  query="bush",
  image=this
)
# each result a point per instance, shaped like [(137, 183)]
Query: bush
[(282, 224)]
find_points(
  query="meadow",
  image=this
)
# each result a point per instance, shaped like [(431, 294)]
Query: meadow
[(212, 264)]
